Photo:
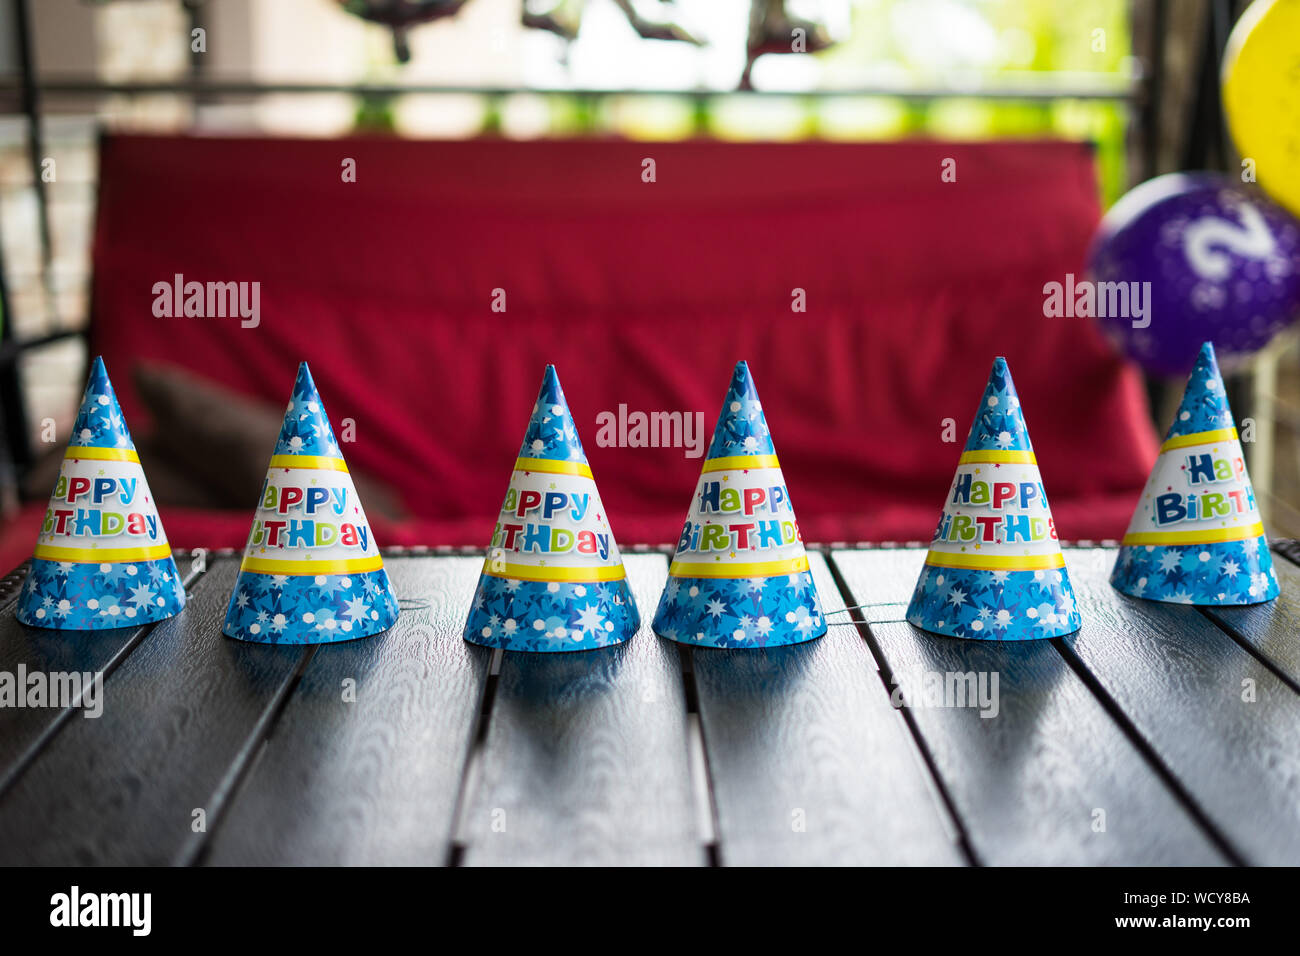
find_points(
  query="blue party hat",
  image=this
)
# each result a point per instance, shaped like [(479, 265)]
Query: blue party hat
[(553, 579), (995, 570), (1196, 536), (740, 576), (102, 559), (312, 572)]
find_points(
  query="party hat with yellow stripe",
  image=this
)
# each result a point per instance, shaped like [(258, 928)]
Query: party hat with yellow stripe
[(995, 571), (553, 579), (1196, 536), (740, 576), (102, 558), (311, 572)]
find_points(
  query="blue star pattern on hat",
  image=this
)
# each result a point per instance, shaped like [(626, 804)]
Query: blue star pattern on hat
[(1220, 556), (994, 605), (999, 424), (70, 596), (518, 615), (102, 558), (741, 612), (1216, 573), (310, 609), (742, 426), (551, 433), (99, 421), (1204, 406), (306, 429)]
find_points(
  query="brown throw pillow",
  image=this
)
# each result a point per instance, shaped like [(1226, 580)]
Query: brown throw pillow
[(223, 439)]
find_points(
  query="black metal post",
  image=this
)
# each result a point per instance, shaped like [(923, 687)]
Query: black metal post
[(13, 408), (30, 98), (1155, 89)]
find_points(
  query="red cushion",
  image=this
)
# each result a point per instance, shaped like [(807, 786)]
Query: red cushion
[(640, 293)]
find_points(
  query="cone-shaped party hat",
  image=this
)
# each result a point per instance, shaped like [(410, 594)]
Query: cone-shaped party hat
[(995, 571), (102, 558), (311, 572), (1196, 536), (740, 576), (553, 579)]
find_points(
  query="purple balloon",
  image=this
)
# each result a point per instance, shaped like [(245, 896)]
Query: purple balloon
[(1222, 260)]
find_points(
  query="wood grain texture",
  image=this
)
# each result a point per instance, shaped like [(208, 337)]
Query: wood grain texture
[(1271, 629), (373, 781), (1026, 783), (1180, 680), (888, 591), (22, 729), (179, 713), (809, 762), (585, 760)]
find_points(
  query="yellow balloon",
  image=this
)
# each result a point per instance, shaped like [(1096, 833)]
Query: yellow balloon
[(1261, 95)]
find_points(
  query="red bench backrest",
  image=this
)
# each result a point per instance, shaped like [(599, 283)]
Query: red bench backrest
[(643, 294)]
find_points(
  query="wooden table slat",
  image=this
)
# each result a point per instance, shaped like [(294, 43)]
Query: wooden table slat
[(373, 780), (180, 712), (1180, 680), (1028, 783), (586, 756), (808, 760)]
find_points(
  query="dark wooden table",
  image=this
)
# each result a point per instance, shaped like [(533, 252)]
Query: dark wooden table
[(1157, 734)]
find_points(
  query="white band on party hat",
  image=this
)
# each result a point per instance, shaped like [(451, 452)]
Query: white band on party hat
[(996, 519), (1204, 481), (552, 527)]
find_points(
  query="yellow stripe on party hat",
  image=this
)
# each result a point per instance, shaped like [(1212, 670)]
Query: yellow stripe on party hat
[(102, 559), (740, 576), (311, 572), (995, 570), (553, 579)]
